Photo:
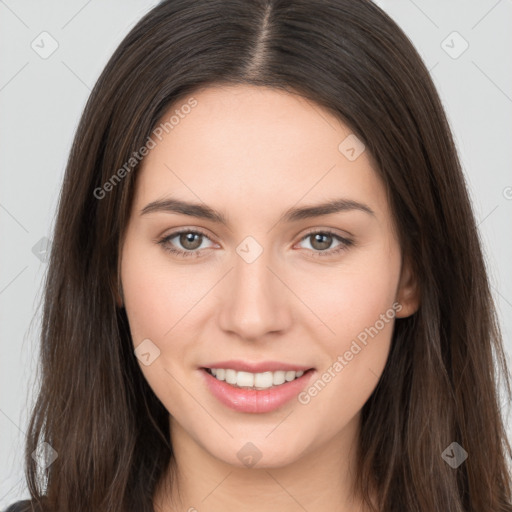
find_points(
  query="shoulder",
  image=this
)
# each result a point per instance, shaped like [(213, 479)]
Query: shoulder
[(21, 506)]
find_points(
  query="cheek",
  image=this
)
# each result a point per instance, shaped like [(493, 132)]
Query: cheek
[(351, 297), (156, 302), (161, 306), (155, 299), (146, 300), (358, 303), (360, 308)]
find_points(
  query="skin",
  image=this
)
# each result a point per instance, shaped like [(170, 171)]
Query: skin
[(253, 152)]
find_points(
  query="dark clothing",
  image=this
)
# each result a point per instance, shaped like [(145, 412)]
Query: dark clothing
[(21, 506)]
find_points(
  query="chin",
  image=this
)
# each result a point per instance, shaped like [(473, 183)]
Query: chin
[(257, 452)]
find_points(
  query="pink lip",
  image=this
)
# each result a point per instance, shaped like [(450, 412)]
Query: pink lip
[(264, 366), (253, 400)]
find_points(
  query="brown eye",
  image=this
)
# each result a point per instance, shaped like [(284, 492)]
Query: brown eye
[(321, 243), (186, 242), (190, 240)]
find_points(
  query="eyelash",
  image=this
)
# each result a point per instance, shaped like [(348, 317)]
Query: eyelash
[(344, 245)]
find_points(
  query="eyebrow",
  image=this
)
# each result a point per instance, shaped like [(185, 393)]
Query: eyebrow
[(172, 205)]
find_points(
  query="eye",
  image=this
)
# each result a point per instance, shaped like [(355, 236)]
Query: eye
[(190, 239), (322, 240)]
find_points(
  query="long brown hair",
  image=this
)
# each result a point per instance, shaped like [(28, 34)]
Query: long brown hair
[(440, 384)]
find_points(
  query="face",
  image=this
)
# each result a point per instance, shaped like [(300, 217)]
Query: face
[(255, 283)]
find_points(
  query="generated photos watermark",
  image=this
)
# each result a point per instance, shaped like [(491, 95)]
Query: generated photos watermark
[(137, 156), (344, 359)]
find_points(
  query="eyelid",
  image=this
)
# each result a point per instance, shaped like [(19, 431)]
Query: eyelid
[(344, 242), (333, 231), (180, 231), (187, 229)]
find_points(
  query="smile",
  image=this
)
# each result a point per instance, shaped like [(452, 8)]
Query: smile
[(255, 392), (250, 380)]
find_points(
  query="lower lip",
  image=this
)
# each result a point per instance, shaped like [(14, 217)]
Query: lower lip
[(253, 400)]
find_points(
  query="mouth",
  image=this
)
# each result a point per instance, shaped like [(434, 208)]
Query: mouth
[(255, 381), (248, 392)]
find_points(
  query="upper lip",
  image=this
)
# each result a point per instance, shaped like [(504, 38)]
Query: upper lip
[(253, 367)]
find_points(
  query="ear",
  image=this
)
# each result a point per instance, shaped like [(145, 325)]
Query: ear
[(408, 292)]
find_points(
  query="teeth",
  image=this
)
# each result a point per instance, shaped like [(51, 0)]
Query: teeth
[(263, 380)]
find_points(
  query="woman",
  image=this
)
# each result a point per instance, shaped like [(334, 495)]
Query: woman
[(266, 289)]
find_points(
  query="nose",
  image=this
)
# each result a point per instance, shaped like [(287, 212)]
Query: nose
[(255, 301)]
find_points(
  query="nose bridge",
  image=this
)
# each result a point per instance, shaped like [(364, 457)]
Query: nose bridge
[(254, 303)]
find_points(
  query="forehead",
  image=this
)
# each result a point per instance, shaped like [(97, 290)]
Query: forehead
[(258, 146)]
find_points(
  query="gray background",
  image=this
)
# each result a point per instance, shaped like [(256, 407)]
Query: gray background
[(42, 97)]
